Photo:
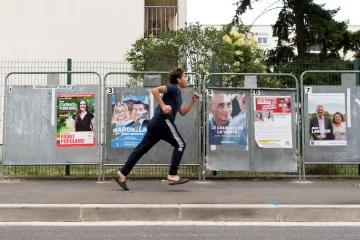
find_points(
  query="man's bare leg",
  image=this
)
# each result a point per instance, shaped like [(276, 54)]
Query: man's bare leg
[(122, 178)]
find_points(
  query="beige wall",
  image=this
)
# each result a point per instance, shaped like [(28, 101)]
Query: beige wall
[(77, 29), (60, 29)]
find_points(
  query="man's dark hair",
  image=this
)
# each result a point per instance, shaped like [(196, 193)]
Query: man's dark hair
[(175, 74), (139, 102)]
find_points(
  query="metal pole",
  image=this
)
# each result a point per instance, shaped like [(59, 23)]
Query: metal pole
[(68, 82), (356, 68), (2, 172), (104, 135)]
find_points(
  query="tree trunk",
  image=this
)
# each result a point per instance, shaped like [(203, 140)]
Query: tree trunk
[(300, 29)]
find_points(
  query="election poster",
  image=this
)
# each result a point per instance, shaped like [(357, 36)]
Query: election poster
[(227, 119), (75, 120), (327, 119), (272, 121), (130, 117)]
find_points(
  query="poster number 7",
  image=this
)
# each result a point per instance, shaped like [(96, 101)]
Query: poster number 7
[(308, 90)]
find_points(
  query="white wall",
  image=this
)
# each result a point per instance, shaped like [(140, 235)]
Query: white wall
[(182, 13), (78, 29)]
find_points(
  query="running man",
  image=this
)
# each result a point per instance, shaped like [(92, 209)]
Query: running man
[(162, 127)]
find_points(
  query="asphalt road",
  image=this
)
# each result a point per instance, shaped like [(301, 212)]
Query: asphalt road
[(180, 232)]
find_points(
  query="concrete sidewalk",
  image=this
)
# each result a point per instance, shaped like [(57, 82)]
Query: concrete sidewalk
[(150, 200)]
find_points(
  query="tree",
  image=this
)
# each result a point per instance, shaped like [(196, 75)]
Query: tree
[(302, 24), (195, 47)]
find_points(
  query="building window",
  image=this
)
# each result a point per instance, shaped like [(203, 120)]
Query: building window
[(160, 16), (262, 39), (316, 48)]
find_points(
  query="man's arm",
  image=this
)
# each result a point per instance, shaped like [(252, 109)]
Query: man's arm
[(156, 92), (183, 110)]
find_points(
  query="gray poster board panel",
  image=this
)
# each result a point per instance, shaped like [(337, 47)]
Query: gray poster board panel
[(329, 154), (224, 157), (30, 139), (275, 159), (162, 151)]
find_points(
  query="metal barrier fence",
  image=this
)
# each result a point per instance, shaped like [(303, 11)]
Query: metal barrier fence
[(33, 111), (121, 139), (270, 145), (328, 115), (45, 120)]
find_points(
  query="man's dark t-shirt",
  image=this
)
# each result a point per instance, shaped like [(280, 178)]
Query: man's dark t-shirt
[(173, 98)]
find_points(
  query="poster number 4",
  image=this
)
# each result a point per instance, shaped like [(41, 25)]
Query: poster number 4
[(308, 90), (110, 90)]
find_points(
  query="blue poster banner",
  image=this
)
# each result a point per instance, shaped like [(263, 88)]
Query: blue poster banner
[(130, 117), (227, 118)]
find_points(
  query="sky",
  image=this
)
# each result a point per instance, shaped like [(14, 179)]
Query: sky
[(216, 12), (332, 102)]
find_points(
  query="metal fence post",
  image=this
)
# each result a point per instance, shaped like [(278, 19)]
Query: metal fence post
[(213, 84), (356, 67), (68, 81), (213, 69)]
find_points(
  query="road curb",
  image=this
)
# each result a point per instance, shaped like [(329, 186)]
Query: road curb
[(178, 212)]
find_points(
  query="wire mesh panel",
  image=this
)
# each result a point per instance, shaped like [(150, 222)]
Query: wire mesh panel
[(124, 100), (250, 129), (330, 119), (9, 66), (48, 123)]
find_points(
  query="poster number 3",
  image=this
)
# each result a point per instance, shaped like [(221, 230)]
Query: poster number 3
[(110, 90)]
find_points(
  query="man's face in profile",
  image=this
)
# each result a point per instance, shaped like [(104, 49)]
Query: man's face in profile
[(221, 108), (320, 111)]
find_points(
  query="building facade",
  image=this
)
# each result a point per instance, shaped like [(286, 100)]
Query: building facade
[(83, 29)]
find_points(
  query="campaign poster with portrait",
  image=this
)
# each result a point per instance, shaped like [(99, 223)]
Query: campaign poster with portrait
[(75, 120), (129, 119), (327, 119), (227, 119), (272, 124)]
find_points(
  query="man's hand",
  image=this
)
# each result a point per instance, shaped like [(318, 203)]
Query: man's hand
[(195, 96), (167, 109)]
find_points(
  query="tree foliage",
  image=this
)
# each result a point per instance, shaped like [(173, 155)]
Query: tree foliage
[(195, 47), (303, 24)]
